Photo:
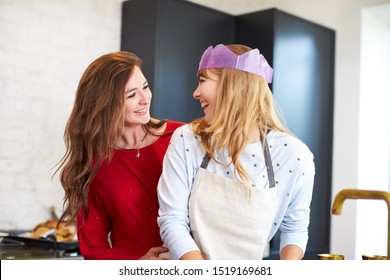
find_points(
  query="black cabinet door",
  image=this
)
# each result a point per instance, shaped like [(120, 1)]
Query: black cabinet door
[(302, 55), (171, 35)]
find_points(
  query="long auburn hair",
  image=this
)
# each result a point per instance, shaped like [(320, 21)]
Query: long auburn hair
[(244, 102), (95, 124)]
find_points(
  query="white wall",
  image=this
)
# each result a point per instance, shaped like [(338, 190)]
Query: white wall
[(44, 47), (46, 44), (374, 132)]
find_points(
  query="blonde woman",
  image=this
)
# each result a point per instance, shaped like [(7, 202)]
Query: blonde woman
[(112, 163), (232, 178)]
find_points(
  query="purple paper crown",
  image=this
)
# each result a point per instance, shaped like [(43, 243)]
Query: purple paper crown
[(222, 57)]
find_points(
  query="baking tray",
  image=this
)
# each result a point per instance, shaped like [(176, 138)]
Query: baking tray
[(42, 243)]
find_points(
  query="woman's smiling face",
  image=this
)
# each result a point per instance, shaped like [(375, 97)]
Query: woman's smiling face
[(138, 97), (206, 93)]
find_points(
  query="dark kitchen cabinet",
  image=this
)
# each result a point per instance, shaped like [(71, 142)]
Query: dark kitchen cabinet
[(302, 55), (170, 36)]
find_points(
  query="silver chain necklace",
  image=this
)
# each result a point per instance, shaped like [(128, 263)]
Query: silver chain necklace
[(137, 154)]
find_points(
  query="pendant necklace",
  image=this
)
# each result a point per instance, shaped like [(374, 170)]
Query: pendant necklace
[(137, 154)]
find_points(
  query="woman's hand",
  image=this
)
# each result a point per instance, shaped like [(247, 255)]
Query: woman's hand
[(193, 255), (291, 252), (154, 252)]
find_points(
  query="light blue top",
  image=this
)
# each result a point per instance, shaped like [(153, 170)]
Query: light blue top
[(294, 170)]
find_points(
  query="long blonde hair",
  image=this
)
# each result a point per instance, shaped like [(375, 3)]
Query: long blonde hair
[(244, 101)]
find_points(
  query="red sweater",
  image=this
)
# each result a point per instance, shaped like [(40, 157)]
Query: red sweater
[(122, 202)]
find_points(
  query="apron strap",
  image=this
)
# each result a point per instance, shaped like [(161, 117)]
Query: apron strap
[(268, 163), (205, 162)]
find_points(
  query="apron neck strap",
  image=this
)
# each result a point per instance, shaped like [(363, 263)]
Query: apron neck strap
[(268, 163)]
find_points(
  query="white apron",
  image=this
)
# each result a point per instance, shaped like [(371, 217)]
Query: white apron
[(225, 222)]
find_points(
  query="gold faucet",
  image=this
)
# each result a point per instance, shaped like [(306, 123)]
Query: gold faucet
[(363, 194)]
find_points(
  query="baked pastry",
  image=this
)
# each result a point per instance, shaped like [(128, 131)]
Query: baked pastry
[(65, 233), (61, 231)]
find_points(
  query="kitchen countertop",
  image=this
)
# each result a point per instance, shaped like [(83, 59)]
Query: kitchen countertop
[(13, 247)]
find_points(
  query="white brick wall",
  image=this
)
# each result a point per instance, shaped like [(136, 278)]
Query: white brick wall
[(45, 45)]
